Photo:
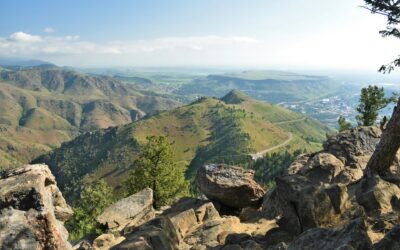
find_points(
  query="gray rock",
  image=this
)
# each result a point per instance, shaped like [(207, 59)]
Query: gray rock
[(353, 236), (189, 213), (322, 168), (352, 145), (230, 185), (16, 233), (391, 241), (301, 204), (158, 233), (129, 212), (378, 196), (32, 210)]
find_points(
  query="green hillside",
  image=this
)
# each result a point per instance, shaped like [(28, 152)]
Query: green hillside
[(43, 106), (207, 130)]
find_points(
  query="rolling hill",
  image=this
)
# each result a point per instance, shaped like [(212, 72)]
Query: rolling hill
[(207, 130), (43, 106), (270, 86)]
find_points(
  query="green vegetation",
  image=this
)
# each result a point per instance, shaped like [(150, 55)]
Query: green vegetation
[(205, 131), (93, 200), (343, 124), (272, 165), (371, 101), (156, 169)]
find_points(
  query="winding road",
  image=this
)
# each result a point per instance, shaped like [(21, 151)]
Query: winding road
[(260, 154), (291, 121)]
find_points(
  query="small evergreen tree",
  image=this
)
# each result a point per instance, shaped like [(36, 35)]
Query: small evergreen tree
[(93, 200), (371, 101), (155, 168), (343, 124)]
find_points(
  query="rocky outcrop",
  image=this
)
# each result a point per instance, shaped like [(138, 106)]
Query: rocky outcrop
[(322, 203), (353, 236), (187, 224), (129, 212), (300, 204), (354, 147), (343, 159), (378, 196), (32, 210), (230, 185), (391, 241), (325, 191), (158, 233), (321, 167)]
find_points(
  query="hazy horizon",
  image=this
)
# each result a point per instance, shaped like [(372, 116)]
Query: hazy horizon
[(289, 35)]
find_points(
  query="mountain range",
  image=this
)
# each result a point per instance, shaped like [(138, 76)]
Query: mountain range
[(270, 86), (43, 105)]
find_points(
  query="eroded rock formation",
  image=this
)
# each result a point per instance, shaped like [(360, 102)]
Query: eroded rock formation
[(32, 210)]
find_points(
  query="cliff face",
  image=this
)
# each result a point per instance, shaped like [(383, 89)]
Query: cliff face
[(32, 210)]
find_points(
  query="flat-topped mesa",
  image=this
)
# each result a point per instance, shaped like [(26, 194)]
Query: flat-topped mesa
[(32, 210), (229, 185)]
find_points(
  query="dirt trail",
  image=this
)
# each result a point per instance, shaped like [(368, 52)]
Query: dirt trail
[(262, 153)]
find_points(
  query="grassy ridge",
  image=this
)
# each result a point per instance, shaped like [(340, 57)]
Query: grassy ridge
[(208, 130)]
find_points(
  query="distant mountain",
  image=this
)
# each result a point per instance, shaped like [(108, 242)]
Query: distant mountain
[(270, 86), (6, 62), (208, 130), (43, 106), (134, 79)]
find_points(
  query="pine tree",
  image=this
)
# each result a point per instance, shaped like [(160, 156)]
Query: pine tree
[(343, 124), (93, 200), (371, 101), (155, 168)]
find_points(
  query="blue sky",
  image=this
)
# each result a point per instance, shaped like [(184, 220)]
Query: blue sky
[(242, 33)]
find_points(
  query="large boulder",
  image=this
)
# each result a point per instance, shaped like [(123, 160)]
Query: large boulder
[(300, 204), (188, 213), (32, 210), (230, 185), (129, 212), (378, 196), (353, 236), (355, 146), (319, 168), (343, 159), (158, 233)]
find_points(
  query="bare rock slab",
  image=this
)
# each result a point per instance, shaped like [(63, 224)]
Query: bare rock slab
[(129, 212)]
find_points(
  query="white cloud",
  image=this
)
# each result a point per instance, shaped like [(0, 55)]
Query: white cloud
[(72, 45), (49, 30), (347, 48), (24, 37)]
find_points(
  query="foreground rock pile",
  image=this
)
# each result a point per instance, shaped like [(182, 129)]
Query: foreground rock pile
[(32, 210), (324, 202)]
